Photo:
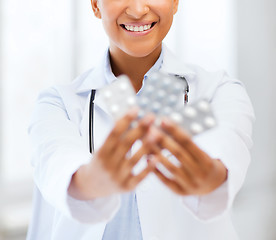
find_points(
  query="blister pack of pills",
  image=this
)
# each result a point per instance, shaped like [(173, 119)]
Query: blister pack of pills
[(162, 95), (195, 118), (119, 96)]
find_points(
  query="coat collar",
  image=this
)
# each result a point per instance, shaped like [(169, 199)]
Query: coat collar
[(172, 65), (96, 78)]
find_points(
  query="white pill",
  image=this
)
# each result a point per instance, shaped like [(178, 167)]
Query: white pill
[(210, 122), (196, 128), (123, 85), (204, 106), (149, 89), (107, 94), (131, 100), (172, 100), (166, 81), (114, 108), (161, 94), (190, 112), (154, 76), (156, 106), (175, 116), (166, 110), (177, 86), (143, 101), (141, 114)]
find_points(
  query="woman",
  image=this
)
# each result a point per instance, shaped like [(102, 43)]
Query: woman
[(80, 195)]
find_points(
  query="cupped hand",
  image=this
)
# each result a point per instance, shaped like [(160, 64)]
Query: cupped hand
[(111, 169), (195, 173)]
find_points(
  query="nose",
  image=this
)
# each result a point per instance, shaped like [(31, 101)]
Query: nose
[(137, 8)]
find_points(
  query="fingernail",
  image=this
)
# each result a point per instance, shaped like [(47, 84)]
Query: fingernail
[(152, 160), (148, 119), (166, 122), (152, 136), (133, 112)]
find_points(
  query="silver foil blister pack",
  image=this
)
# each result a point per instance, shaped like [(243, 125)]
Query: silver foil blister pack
[(162, 95), (119, 96)]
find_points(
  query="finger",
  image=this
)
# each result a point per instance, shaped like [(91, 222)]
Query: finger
[(175, 131), (113, 157), (132, 181), (170, 183), (178, 151), (136, 157), (132, 135), (148, 148), (125, 169), (119, 128), (180, 136), (193, 170), (183, 177), (127, 140)]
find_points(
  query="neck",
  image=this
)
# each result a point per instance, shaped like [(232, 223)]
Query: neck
[(134, 67)]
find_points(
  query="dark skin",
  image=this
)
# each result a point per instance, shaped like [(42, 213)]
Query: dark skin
[(110, 170), (134, 68)]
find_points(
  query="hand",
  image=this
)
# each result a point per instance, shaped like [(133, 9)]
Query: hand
[(197, 173), (110, 170)]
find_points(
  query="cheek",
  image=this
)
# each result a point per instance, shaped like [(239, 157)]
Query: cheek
[(167, 18), (110, 25)]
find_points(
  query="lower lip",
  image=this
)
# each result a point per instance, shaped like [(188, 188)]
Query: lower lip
[(139, 34)]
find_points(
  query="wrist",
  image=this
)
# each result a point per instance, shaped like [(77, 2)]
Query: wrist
[(79, 184), (222, 172)]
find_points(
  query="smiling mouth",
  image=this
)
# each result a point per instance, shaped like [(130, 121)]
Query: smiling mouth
[(141, 28)]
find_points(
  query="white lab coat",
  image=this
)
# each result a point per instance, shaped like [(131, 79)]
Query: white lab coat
[(59, 134)]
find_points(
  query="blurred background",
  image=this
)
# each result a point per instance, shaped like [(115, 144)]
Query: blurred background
[(44, 42)]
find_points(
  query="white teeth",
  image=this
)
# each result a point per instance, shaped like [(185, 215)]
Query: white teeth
[(137, 29)]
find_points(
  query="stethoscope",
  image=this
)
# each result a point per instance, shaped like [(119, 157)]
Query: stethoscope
[(91, 111)]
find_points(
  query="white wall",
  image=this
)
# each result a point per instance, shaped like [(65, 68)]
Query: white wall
[(205, 33), (255, 209), (37, 50)]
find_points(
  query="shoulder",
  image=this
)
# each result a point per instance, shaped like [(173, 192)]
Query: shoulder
[(211, 83), (64, 98), (193, 72), (207, 78), (61, 90), (203, 83)]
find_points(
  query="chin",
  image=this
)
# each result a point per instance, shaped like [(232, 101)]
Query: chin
[(140, 52)]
